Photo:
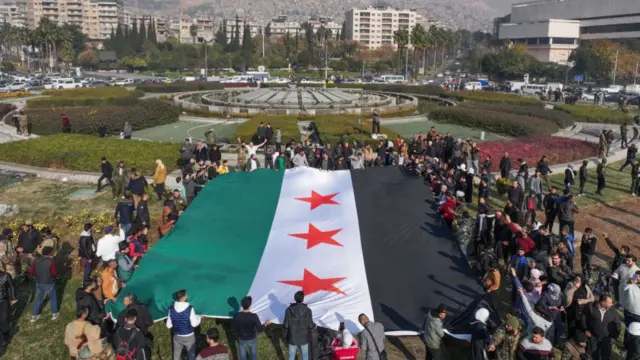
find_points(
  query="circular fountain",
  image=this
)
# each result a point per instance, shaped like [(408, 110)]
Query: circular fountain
[(293, 100)]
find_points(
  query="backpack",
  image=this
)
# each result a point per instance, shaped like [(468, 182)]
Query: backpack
[(124, 350)]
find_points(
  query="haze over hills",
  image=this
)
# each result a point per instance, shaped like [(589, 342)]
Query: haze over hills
[(468, 14)]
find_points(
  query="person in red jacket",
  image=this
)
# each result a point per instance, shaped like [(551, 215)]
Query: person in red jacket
[(66, 124), (524, 241), (136, 248), (448, 209)]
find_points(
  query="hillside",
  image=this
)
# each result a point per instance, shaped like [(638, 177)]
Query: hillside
[(469, 14)]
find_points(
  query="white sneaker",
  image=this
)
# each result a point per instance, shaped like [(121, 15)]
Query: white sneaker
[(55, 316), (633, 194), (34, 318)]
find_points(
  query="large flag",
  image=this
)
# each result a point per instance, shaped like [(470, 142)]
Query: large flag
[(364, 241)]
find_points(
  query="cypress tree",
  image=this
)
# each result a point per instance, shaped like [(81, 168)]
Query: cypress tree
[(142, 35), (343, 32), (236, 37), (151, 32), (221, 36)]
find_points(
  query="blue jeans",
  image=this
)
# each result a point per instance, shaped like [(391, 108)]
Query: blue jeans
[(125, 228), (248, 346), (50, 290), (304, 349), (627, 162)]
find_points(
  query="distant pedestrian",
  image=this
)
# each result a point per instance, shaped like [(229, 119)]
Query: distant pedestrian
[(582, 175), (127, 131), (601, 172), (66, 124), (106, 172), (24, 123)]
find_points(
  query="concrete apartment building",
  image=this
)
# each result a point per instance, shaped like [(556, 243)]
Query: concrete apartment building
[(229, 25), (374, 26), (552, 29), (14, 14), (281, 26), (96, 18), (204, 33), (325, 22)]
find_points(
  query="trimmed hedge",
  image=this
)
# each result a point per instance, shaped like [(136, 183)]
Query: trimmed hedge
[(434, 90), (86, 119), (595, 114), (560, 118), (494, 121), (85, 97), (83, 152), (180, 87), (493, 97)]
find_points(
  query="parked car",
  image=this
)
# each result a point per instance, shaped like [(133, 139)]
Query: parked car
[(97, 83), (63, 83), (612, 89), (18, 85), (124, 82)]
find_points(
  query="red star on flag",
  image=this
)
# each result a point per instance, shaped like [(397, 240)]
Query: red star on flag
[(316, 199), (316, 237), (311, 284)]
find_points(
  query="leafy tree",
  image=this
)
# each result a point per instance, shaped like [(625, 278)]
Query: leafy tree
[(143, 33), (193, 32), (89, 58), (220, 37)]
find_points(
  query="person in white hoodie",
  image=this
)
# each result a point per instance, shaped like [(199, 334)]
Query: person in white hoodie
[(630, 299), (108, 244), (182, 320), (625, 271)]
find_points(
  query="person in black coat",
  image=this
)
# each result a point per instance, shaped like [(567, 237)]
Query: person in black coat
[(85, 298), (106, 171), (142, 211), (215, 156), (632, 341), (600, 323), (550, 209), (582, 176), (505, 166), (87, 250), (298, 321), (143, 320), (480, 338)]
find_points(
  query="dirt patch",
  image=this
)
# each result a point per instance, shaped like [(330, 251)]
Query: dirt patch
[(621, 221)]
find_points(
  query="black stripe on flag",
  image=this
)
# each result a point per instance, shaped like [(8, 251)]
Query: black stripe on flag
[(411, 260)]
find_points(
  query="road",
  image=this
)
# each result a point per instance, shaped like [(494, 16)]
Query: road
[(121, 74)]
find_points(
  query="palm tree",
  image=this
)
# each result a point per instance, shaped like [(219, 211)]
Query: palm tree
[(434, 34), (419, 40), (401, 39), (51, 35)]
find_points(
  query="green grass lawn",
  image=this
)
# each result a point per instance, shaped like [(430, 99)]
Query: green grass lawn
[(178, 131), (411, 128), (618, 187)]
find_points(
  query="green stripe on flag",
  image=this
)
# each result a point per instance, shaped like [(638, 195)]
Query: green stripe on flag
[(214, 250)]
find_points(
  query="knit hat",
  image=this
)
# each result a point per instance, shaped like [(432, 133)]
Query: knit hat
[(47, 250), (513, 322), (553, 288), (108, 229)]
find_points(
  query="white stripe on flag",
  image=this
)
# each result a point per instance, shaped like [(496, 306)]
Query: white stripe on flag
[(287, 259)]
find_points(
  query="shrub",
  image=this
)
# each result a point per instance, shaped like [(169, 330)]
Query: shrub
[(494, 121), (86, 119), (494, 97), (86, 97), (558, 150), (595, 114), (181, 87), (406, 89), (560, 118), (12, 94), (83, 152)]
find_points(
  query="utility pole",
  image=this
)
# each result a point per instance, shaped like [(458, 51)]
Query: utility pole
[(636, 74), (406, 61), (264, 32), (615, 68), (326, 61), (206, 68)]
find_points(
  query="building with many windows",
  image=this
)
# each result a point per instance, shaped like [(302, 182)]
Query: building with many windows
[(375, 26), (551, 29), (281, 26), (230, 25), (14, 14), (203, 26)]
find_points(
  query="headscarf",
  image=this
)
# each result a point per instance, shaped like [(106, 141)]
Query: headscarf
[(634, 328), (347, 338), (554, 291), (482, 315), (159, 163)]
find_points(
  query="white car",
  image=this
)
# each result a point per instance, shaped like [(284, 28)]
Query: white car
[(587, 97), (18, 85), (124, 82), (4, 88), (612, 89), (439, 75), (63, 83)]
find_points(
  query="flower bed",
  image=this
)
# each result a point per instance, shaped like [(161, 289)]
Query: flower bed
[(595, 114), (85, 97), (141, 114), (83, 152), (11, 94), (560, 118), (558, 150), (494, 121)]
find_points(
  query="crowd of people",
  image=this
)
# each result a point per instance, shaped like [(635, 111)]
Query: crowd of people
[(553, 304)]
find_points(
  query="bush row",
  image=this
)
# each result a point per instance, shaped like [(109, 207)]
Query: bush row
[(86, 119), (595, 114), (83, 152), (560, 118), (493, 97), (406, 89), (11, 94), (494, 121), (80, 97), (180, 87)]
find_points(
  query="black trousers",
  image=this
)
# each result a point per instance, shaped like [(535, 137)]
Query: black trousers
[(623, 140), (66, 130), (585, 262), (550, 220), (600, 349), (602, 183), (433, 354), (5, 305), (159, 189), (375, 127), (102, 177)]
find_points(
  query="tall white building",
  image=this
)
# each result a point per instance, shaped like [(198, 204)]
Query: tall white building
[(230, 25), (374, 26), (281, 26), (14, 14), (551, 29)]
